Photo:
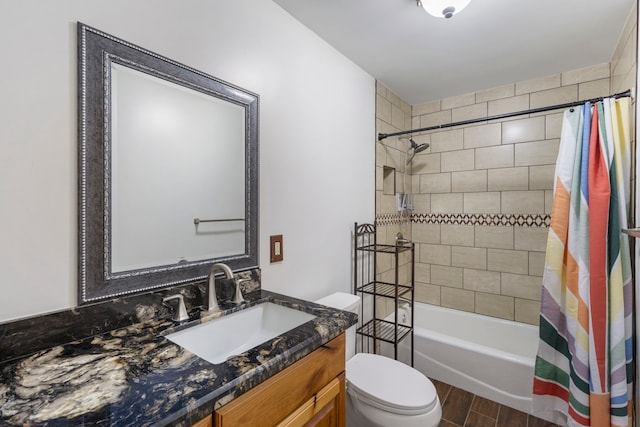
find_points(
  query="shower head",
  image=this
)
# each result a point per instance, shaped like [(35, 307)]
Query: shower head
[(415, 148), (418, 147)]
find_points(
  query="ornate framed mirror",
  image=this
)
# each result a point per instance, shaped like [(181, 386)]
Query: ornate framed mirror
[(168, 170)]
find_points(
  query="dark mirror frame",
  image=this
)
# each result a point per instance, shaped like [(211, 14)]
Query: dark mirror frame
[(96, 51)]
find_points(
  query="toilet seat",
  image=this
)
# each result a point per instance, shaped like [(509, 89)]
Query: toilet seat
[(390, 385)]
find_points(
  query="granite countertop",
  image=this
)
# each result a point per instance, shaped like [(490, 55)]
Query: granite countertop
[(133, 376)]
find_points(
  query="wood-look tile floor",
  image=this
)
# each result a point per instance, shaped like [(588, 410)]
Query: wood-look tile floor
[(463, 409)]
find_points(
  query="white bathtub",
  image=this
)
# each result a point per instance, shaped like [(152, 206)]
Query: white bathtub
[(490, 357)]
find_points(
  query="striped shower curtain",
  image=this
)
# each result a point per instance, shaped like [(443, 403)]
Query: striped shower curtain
[(584, 366)]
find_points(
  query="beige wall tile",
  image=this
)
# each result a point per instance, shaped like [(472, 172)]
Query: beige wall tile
[(388, 276), (406, 107), (435, 254), (523, 202), (423, 272), (458, 299), (593, 72), (499, 92), (507, 261), (494, 157), (426, 233), (620, 83), (553, 126), (450, 140), (521, 286), (554, 96), (482, 135), (384, 263), (509, 105), (469, 181), (435, 183), (434, 119), (548, 201), (381, 154), (458, 101), (427, 293), (531, 129), (536, 263), (395, 158), (481, 280), (415, 122), (421, 202), (495, 305), (397, 117), (446, 203), (527, 311), (381, 89), (530, 238), (468, 257), (387, 204), (393, 98), (457, 161), (426, 108), (537, 153), (538, 84), (383, 109), (494, 237), (428, 163), (446, 276), (624, 59), (461, 235), (482, 202), (541, 177), (594, 89), (508, 179), (469, 112)]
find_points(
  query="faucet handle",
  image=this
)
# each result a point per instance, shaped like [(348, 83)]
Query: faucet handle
[(180, 313), (237, 295)]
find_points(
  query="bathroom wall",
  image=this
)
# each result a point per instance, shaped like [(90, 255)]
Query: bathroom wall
[(316, 135), (483, 192)]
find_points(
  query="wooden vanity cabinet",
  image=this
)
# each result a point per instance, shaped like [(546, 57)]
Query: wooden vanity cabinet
[(311, 392), (205, 422)]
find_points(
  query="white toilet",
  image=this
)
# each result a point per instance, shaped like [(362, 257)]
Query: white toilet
[(382, 392)]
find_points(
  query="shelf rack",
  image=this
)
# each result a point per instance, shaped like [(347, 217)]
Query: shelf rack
[(373, 330)]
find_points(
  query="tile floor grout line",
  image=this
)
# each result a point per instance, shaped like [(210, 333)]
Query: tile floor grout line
[(469, 410)]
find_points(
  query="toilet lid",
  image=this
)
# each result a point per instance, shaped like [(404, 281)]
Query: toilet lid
[(390, 385)]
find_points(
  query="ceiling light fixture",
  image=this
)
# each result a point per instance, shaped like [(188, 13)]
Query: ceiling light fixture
[(443, 8)]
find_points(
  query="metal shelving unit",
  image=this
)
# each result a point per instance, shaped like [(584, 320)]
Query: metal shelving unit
[(373, 330)]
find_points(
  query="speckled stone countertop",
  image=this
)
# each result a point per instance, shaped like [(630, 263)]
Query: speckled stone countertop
[(133, 376)]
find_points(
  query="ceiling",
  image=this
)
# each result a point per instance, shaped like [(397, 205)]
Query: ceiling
[(488, 44)]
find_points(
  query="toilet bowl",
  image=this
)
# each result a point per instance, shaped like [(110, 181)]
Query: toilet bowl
[(383, 392)]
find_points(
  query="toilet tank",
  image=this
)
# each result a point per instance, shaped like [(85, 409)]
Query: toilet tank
[(346, 302)]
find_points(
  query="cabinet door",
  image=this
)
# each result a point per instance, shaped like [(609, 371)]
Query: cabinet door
[(324, 409), (205, 422), (275, 399)]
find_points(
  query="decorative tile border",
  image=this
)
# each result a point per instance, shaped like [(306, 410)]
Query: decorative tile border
[(504, 220)]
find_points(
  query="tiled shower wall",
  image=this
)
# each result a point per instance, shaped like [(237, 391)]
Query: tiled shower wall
[(483, 192)]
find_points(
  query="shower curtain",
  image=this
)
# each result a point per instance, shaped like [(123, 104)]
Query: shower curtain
[(584, 364)]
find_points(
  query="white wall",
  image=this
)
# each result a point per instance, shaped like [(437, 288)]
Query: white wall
[(317, 135)]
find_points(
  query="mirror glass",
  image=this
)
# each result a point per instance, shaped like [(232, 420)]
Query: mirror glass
[(168, 170)]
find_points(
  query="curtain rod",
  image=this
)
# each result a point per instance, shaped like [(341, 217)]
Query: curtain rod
[(626, 93)]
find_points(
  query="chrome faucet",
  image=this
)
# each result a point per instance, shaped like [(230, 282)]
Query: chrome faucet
[(213, 299)]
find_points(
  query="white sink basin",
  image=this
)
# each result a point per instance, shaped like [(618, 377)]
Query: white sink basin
[(217, 340)]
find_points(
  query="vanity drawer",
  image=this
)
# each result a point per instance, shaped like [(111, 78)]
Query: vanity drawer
[(270, 402)]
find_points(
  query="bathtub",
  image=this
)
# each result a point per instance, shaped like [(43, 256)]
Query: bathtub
[(486, 356)]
